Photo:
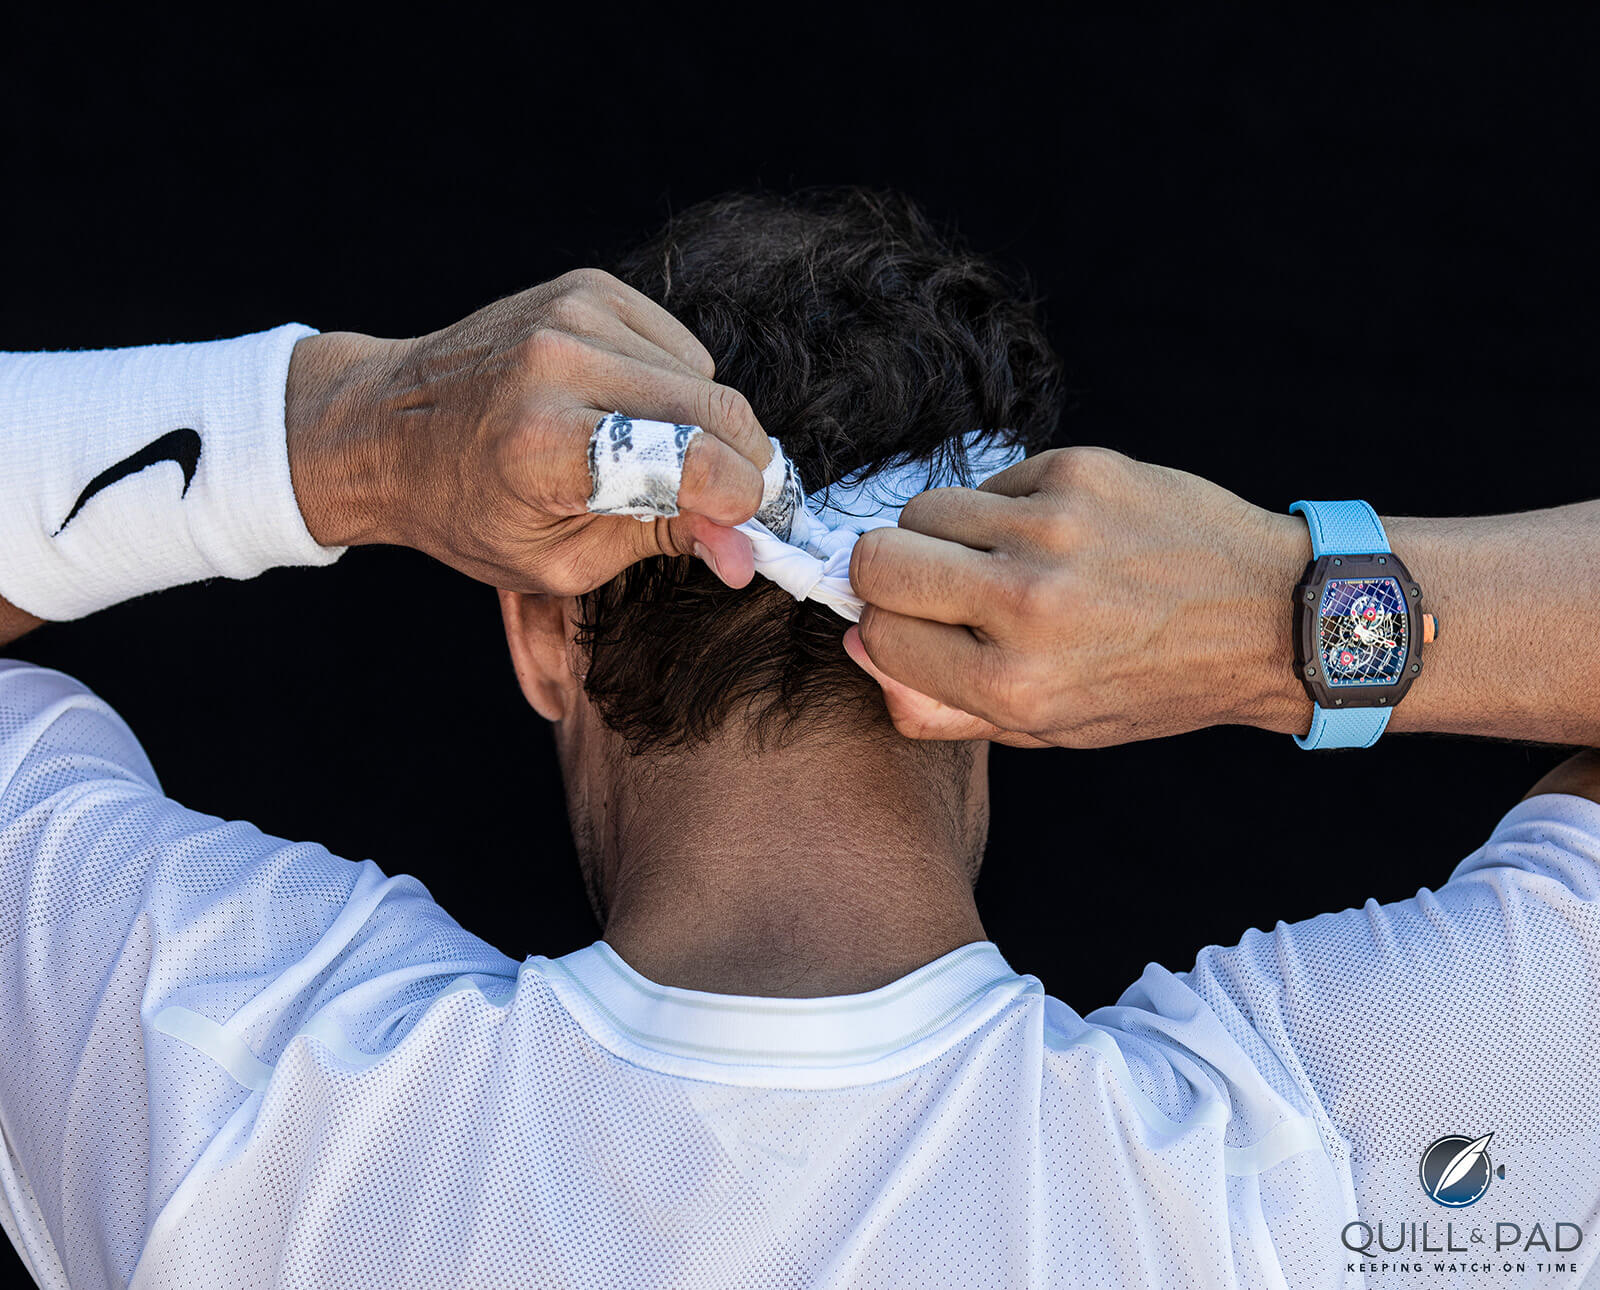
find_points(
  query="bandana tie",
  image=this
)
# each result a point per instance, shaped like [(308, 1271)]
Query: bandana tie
[(804, 543), (801, 543)]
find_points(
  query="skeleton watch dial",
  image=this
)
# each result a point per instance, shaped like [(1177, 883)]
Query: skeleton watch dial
[(1362, 628)]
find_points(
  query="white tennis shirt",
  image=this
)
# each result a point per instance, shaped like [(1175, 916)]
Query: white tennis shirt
[(227, 1060)]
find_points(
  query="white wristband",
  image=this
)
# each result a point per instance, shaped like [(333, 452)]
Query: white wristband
[(126, 471)]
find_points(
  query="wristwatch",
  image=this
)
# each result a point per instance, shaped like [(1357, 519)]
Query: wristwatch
[(1358, 626)]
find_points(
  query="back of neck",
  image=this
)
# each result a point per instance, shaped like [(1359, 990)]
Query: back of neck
[(817, 869)]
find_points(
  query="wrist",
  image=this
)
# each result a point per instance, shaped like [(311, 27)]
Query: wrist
[(336, 448), (1266, 692)]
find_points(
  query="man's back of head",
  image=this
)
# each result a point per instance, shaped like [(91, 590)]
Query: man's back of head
[(726, 763), (861, 334)]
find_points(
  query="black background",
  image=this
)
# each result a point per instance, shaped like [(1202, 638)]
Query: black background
[(1342, 257)]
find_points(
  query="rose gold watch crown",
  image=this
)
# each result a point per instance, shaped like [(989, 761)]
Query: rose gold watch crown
[(1430, 628)]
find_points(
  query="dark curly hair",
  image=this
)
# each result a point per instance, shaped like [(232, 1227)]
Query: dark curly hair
[(859, 332)]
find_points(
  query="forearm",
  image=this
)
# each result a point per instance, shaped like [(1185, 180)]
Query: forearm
[(1518, 603), (128, 471)]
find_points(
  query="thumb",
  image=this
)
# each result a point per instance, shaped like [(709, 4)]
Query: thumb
[(725, 551), (918, 716)]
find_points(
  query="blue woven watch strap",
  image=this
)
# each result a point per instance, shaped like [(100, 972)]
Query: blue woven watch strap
[(1343, 528)]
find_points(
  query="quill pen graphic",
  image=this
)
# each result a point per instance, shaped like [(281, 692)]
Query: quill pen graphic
[(1461, 1165)]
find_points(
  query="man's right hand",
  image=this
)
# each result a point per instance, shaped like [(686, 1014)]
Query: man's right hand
[(471, 443)]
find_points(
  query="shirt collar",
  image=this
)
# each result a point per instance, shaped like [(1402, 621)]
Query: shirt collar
[(846, 1035)]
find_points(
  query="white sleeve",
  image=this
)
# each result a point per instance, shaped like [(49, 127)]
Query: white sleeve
[(154, 964), (1466, 1011), (126, 471)]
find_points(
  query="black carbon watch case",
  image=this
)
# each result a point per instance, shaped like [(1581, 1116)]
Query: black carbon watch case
[(1357, 630)]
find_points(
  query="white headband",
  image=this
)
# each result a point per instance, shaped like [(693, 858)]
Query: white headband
[(801, 543), (812, 560)]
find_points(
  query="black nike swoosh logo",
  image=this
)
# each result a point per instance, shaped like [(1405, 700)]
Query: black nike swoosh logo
[(181, 446)]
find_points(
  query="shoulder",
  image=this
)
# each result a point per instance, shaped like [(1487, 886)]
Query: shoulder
[(56, 732)]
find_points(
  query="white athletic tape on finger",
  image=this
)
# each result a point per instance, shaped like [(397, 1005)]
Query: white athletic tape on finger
[(811, 560), (781, 497), (636, 467), (801, 543)]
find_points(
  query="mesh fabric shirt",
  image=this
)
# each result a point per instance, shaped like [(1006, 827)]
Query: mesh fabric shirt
[(228, 1060)]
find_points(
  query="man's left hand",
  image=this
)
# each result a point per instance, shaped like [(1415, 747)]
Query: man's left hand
[(1080, 599)]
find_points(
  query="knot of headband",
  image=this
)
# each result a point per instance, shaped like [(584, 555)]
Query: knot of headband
[(801, 543), (809, 555)]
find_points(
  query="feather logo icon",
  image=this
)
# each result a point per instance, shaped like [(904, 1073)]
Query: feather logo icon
[(1456, 1170)]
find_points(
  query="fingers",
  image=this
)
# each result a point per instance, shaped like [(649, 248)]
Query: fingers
[(1023, 479), (585, 298), (620, 351), (1065, 473), (920, 576), (920, 716), (915, 715), (718, 482), (726, 552), (644, 316), (611, 333), (597, 548), (555, 474), (624, 383), (965, 515), (926, 656)]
